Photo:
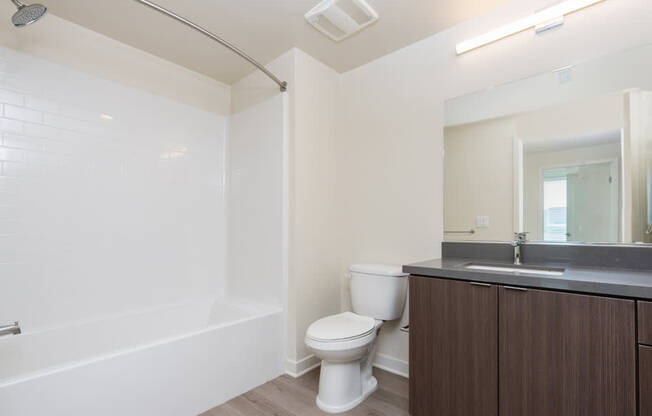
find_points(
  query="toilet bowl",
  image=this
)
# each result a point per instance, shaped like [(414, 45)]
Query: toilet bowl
[(346, 342)]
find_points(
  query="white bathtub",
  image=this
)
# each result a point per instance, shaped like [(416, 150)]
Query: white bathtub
[(176, 360)]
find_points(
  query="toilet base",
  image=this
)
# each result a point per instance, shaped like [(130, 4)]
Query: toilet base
[(370, 388), (346, 377), (344, 385)]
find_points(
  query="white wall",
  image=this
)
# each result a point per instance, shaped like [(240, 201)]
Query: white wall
[(256, 223), (392, 117), (103, 215)]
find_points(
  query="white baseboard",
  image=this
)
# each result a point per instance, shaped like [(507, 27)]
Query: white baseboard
[(382, 361), (393, 365), (298, 368)]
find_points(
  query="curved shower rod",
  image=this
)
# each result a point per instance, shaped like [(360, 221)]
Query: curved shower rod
[(282, 84)]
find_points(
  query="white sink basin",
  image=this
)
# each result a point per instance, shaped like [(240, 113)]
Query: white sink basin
[(516, 269)]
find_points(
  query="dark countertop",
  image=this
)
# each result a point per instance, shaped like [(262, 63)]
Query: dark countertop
[(592, 280)]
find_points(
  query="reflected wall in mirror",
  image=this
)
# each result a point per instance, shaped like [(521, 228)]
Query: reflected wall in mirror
[(565, 156)]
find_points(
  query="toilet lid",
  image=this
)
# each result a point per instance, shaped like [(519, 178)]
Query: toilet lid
[(342, 326)]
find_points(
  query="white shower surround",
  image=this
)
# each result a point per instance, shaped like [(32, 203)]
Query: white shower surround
[(112, 198), (114, 236)]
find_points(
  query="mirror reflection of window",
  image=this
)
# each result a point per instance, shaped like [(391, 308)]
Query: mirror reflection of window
[(572, 188), (555, 206), (580, 203), (565, 158)]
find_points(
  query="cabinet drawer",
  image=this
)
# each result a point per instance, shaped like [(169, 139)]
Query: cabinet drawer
[(645, 323), (645, 382)]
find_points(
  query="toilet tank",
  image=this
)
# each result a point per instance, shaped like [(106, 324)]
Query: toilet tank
[(378, 290)]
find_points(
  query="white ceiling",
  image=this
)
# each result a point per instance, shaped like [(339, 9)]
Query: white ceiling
[(263, 28)]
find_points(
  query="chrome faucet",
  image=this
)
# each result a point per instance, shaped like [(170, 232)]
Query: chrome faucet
[(519, 240)]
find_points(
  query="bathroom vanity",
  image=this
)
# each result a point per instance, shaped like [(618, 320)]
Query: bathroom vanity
[(545, 308), (521, 343)]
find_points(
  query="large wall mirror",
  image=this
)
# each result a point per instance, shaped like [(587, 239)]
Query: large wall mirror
[(565, 155)]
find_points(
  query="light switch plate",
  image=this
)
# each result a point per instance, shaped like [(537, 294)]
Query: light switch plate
[(482, 221)]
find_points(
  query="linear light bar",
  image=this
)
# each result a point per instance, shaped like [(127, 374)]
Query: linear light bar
[(546, 15)]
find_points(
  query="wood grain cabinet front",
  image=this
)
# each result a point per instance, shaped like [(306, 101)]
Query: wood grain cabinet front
[(453, 348), (565, 354), (645, 379), (645, 323), (486, 350)]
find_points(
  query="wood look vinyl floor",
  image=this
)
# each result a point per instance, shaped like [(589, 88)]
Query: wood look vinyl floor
[(287, 396)]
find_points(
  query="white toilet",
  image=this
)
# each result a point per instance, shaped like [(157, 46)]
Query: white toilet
[(346, 342)]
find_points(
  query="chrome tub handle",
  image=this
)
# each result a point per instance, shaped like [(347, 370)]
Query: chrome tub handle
[(13, 329)]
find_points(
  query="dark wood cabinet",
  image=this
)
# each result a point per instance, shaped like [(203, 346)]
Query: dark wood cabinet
[(645, 323), (564, 354), (453, 348), (484, 349), (645, 379)]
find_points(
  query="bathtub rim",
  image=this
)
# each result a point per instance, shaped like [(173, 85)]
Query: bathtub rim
[(264, 310)]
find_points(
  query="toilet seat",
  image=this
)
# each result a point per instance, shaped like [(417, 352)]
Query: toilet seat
[(346, 326)]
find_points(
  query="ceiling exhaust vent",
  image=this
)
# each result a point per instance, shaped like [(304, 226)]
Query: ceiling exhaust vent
[(339, 19)]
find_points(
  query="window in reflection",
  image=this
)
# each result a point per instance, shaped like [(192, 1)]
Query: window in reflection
[(555, 206), (567, 159), (572, 189)]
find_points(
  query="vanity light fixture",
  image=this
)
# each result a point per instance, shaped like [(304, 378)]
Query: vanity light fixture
[(542, 20)]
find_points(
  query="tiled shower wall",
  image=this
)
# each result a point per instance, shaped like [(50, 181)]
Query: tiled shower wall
[(111, 199), (257, 224)]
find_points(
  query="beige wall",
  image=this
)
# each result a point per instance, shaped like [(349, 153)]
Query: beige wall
[(315, 231), (576, 118), (479, 179), (638, 139), (68, 44), (390, 134)]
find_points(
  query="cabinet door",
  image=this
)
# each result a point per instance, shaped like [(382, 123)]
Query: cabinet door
[(453, 348), (563, 354), (645, 376), (645, 323)]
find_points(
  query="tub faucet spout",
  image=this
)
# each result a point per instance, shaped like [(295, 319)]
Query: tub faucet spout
[(13, 329)]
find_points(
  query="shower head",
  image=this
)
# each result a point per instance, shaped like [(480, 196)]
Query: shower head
[(27, 13)]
